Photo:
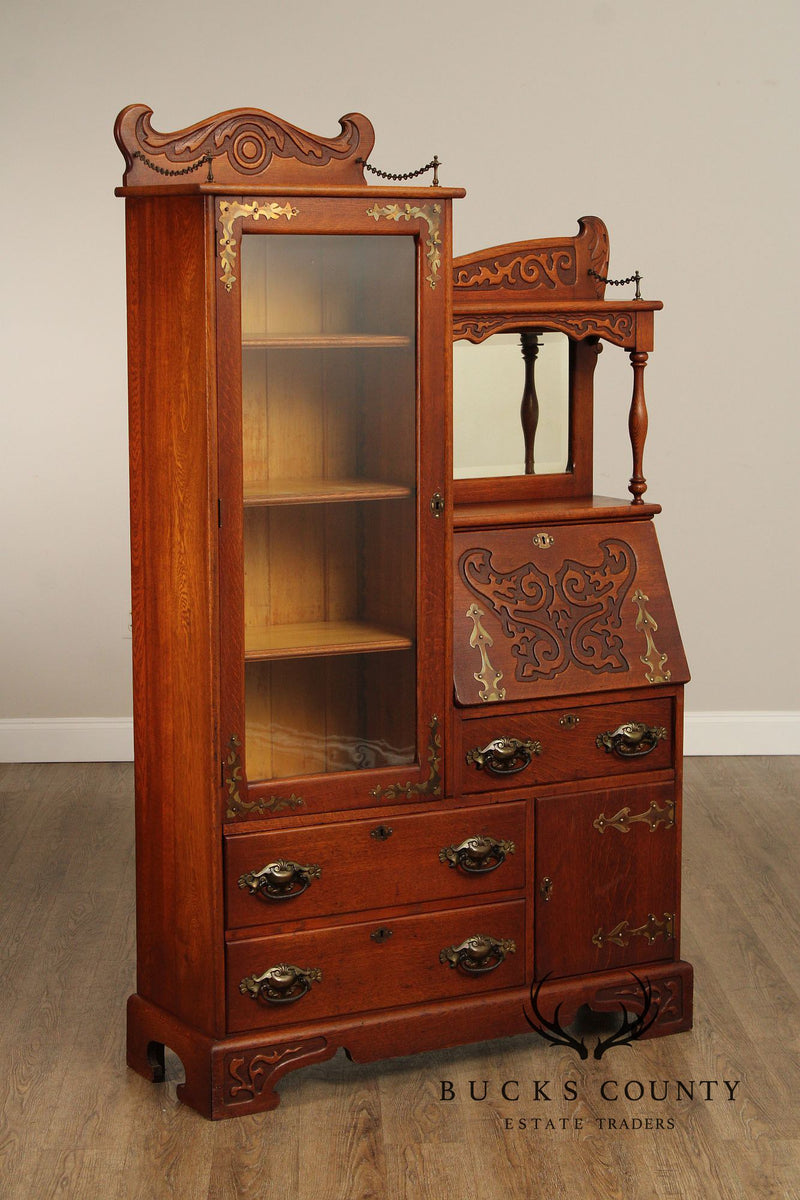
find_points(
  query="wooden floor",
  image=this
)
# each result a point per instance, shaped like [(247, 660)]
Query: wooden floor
[(76, 1123)]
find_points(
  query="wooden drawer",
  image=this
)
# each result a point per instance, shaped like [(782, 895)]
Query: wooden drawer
[(569, 746), (356, 866), (374, 965), (608, 863)]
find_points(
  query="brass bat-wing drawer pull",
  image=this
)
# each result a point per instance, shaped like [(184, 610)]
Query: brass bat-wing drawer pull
[(477, 855), (505, 755), (281, 984), (281, 880), (479, 954), (632, 740)]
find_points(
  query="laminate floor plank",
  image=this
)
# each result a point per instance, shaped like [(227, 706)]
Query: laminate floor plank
[(74, 1122)]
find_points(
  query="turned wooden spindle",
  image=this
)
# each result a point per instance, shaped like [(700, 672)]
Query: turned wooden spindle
[(529, 409), (637, 426)]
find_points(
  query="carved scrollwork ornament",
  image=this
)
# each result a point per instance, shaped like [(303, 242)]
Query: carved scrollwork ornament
[(553, 611), (243, 145)]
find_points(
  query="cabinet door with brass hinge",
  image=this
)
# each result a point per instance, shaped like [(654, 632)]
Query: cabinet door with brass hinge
[(606, 879)]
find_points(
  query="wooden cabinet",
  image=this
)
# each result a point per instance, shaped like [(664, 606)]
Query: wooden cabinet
[(404, 747)]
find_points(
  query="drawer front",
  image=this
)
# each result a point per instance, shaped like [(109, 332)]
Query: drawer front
[(374, 965), (351, 866), (565, 744), (606, 879)]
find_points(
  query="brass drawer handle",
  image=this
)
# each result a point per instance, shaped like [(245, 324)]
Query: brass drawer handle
[(477, 855), (632, 740), (504, 756), (280, 880), (281, 984), (479, 954)]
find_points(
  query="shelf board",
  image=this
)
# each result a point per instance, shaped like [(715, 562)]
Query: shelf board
[(323, 341), (319, 491), (317, 638), (550, 512)]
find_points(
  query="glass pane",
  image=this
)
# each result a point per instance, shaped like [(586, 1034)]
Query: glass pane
[(329, 437), (503, 388)]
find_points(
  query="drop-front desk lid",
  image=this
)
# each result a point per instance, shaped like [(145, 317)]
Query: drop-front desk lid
[(562, 610)]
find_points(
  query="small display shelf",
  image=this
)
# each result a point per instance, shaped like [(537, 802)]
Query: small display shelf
[(324, 341), (262, 492), (315, 638)]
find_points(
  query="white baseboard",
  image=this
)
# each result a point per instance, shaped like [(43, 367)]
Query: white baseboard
[(66, 739), (110, 739), (724, 733)]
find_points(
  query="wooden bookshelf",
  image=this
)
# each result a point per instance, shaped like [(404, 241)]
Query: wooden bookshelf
[(261, 492), (324, 341), (316, 638)]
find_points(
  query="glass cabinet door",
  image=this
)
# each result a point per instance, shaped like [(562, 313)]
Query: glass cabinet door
[(329, 503)]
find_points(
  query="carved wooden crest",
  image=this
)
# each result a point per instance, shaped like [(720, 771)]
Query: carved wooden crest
[(549, 268), (240, 146)]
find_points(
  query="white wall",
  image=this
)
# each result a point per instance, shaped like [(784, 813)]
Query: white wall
[(674, 122)]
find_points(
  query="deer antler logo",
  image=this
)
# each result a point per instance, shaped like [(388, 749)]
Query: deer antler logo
[(632, 1026)]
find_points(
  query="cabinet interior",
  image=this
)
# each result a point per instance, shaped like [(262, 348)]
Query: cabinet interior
[(329, 486)]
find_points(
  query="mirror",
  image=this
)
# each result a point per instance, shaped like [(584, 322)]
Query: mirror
[(511, 405)]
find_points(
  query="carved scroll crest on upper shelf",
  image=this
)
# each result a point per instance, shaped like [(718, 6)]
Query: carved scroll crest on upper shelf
[(241, 146), (550, 268)]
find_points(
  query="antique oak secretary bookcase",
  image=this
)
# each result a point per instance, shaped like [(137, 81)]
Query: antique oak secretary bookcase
[(408, 748)]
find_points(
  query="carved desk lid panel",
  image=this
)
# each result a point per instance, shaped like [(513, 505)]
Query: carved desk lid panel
[(573, 609)]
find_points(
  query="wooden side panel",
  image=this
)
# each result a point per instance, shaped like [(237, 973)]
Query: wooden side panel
[(173, 540)]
